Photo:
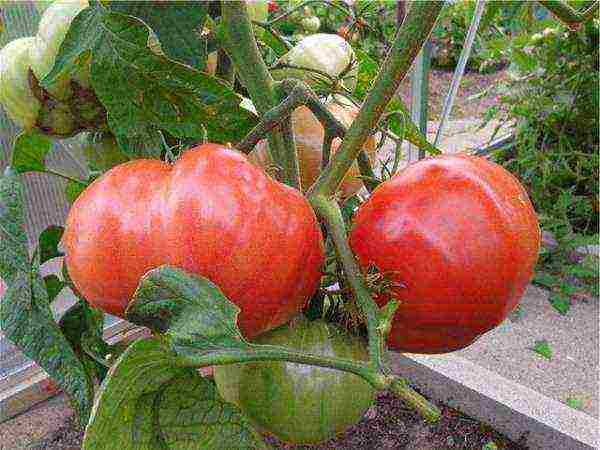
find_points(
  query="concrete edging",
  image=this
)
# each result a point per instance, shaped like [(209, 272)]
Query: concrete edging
[(522, 414)]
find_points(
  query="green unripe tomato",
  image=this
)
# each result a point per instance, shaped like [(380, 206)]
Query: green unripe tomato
[(327, 53), (52, 29), (298, 403), (311, 24), (15, 94)]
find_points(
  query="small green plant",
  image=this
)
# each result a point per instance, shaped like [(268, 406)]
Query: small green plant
[(543, 349), (551, 98)]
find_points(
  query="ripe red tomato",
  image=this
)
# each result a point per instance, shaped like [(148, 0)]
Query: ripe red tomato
[(459, 237), (211, 213), (298, 403)]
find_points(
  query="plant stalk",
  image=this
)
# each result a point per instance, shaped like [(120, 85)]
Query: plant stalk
[(254, 353), (242, 48), (410, 38), (330, 211)]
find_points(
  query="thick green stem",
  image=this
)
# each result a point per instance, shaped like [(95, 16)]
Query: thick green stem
[(253, 353), (415, 400), (241, 47), (329, 210), (410, 38)]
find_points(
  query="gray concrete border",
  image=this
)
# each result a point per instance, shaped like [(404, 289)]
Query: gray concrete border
[(522, 414)]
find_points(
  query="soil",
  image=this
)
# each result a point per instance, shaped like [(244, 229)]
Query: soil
[(472, 83), (388, 425)]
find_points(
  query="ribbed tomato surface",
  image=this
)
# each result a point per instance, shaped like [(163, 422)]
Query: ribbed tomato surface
[(299, 403), (460, 239), (211, 213)]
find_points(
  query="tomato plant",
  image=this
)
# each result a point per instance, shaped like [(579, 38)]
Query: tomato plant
[(458, 239), (297, 404), (174, 229)]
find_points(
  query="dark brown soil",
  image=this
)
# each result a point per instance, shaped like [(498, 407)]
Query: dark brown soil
[(388, 425)]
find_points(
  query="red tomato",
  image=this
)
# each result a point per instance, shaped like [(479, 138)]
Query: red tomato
[(212, 213), (460, 238), (273, 6)]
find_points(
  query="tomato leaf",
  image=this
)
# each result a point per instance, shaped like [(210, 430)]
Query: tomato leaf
[(25, 315), (82, 325), (48, 243), (149, 402), (53, 286), (141, 88), (84, 34), (545, 279), (190, 310), (29, 152), (560, 303), (178, 26), (367, 72)]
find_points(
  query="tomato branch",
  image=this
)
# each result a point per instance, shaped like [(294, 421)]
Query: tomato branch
[(252, 353), (242, 48), (298, 95), (410, 38), (378, 320), (329, 210)]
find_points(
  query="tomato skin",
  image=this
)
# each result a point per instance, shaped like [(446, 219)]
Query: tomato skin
[(298, 403), (309, 134), (212, 213), (461, 237)]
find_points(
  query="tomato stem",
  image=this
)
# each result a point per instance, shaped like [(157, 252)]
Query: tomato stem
[(241, 46), (428, 411), (330, 211), (410, 38)]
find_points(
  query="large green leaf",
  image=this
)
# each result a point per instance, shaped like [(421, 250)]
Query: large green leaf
[(144, 91), (29, 152), (190, 310), (25, 315), (149, 402), (85, 34), (178, 26), (82, 325), (48, 243), (139, 87)]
